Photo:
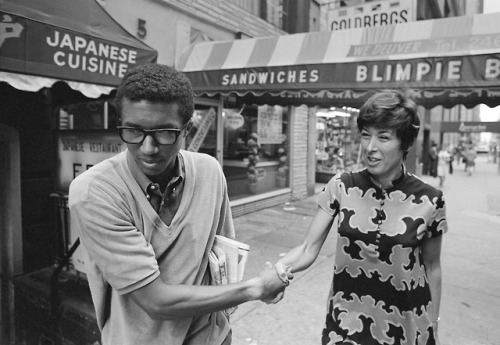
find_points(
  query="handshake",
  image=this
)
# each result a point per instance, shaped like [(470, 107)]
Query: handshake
[(227, 261), (275, 279)]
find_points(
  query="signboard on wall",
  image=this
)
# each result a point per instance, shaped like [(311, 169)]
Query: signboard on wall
[(79, 152), (269, 124), (233, 119), (78, 42), (203, 128), (371, 14)]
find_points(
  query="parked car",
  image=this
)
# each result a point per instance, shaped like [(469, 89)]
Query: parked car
[(482, 148)]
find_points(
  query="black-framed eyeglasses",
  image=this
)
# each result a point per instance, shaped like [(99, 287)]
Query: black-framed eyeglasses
[(162, 136)]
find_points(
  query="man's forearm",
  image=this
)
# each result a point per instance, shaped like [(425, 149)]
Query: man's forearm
[(162, 301)]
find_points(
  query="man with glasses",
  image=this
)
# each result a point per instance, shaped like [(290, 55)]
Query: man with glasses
[(147, 218)]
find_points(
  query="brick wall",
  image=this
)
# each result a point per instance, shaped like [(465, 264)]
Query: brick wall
[(298, 143)]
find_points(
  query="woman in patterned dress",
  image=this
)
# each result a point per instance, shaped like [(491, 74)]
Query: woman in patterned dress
[(386, 285)]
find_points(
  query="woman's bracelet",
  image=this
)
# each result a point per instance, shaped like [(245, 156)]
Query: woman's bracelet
[(282, 272)]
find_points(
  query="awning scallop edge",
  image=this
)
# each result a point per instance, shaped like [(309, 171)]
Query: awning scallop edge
[(35, 83)]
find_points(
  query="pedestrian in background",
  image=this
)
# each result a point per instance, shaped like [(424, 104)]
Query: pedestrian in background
[(147, 219), (451, 152), (433, 159), (387, 276), (470, 159), (443, 165)]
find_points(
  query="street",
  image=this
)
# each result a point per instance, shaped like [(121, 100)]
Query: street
[(470, 306)]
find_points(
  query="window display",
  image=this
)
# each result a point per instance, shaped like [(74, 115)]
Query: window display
[(337, 146), (255, 149)]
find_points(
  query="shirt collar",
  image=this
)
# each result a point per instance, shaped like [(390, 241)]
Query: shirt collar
[(144, 182)]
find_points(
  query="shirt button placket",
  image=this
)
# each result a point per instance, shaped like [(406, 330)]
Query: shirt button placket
[(382, 203)]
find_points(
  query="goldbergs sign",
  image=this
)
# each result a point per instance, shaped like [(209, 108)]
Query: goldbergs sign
[(372, 14), (41, 49)]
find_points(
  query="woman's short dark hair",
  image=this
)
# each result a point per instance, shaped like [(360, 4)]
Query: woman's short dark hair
[(156, 83), (395, 110)]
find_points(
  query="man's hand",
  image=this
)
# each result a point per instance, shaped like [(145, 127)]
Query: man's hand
[(285, 275)]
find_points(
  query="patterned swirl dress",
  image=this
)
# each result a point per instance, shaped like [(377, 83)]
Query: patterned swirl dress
[(380, 292)]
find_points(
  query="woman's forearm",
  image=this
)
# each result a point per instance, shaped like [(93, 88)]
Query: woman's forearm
[(303, 256), (434, 276), (299, 258)]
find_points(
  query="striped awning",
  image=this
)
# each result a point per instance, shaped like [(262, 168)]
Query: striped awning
[(445, 61)]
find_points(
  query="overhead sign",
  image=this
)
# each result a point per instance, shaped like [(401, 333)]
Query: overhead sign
[(470, 127), (372, 14), (453, 71), (79, 43)]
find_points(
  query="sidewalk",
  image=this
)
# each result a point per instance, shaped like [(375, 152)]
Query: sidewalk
[(470, 307)]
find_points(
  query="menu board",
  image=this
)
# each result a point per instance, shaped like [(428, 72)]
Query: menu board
[(80, 151), (269, 124)]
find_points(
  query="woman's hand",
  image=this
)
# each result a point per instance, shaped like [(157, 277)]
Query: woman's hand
[(435, 329)]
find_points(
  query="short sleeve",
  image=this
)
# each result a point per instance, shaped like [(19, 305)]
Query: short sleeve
[(226, 225), (328, 198), (438, 225), (113, 243)]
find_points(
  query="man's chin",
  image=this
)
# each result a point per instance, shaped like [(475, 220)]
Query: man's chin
[(152, 171)]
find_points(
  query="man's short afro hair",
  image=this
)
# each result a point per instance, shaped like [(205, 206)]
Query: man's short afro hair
[(156, 83)]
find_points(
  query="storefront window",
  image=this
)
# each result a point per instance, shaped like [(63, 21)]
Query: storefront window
[(87, 116), (337, 146), (255, 148)]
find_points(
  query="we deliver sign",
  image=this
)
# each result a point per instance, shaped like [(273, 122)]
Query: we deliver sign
[(378, 13)]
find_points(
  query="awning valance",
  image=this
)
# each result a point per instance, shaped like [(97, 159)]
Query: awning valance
[(69, 40), (445, 61), (33, 83)]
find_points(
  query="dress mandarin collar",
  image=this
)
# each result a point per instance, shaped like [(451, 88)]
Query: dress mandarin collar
[(394, 182)]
